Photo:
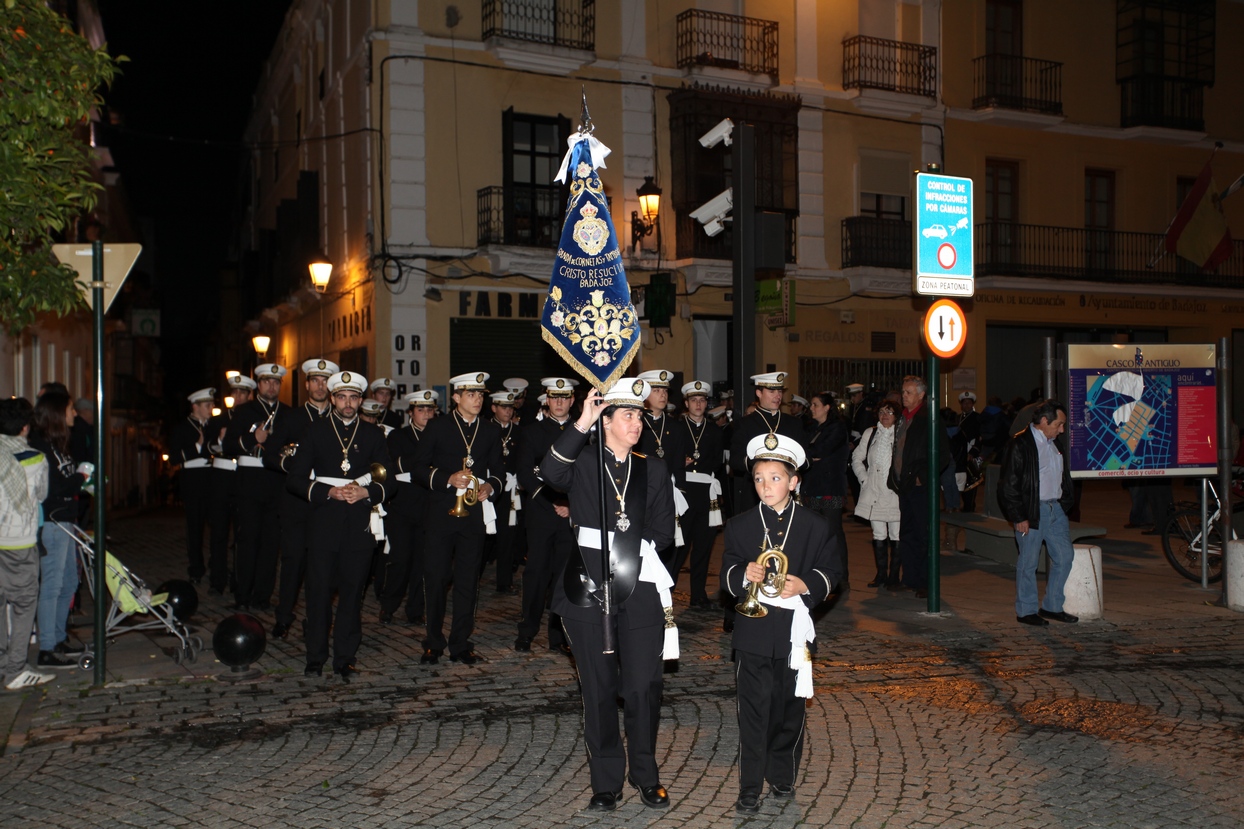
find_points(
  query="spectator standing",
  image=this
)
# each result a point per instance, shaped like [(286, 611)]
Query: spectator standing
[(909, 476), (829, 454), (878, 504)]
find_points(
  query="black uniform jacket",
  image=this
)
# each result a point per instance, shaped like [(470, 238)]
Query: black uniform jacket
[(440, 454), (190, 441), (812, 554), (537, 437), (320, 452), (671, 434), (247, 418), (572, 468), (411, 498), (761, 422), (292, 431), (711, 445), (1019, 484)]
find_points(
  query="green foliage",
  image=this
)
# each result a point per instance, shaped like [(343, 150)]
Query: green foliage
[(49, 79)]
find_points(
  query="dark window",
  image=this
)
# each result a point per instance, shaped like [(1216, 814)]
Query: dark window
[(1001, 209), (1098, 219), (533, 146), (882, 206), (1004, 27), (1164, 59)]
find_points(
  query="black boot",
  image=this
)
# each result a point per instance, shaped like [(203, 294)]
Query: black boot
[(892, 578), (880, 557)]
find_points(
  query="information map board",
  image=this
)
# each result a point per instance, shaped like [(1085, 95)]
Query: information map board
[(1142, 410)]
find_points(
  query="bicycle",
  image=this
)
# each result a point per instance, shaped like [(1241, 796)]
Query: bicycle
[(1182, 533)]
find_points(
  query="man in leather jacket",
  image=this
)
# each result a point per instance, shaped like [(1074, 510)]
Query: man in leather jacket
[(1035, 494)]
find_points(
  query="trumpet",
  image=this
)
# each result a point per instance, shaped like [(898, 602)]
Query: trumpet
[(376, 476), (469, 496), (772, 585)]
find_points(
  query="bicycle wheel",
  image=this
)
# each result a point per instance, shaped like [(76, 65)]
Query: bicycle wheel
[(1181, 541)]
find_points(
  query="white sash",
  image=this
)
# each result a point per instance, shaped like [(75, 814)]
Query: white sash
[(802, 631), (714, 495), (652, 571)]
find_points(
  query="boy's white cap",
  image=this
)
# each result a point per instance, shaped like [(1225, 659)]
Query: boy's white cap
[(423, 397), (239, 381), (967, 395), (774, 447), (559, 386), (854, 387), (658, 378), (695, 387), (471, 381), (502, 398), (629, 392), (265, 370), (347, 381), (794, 398), (201, 395), (770, 380), (515, 384), (317, 367), (372, 406)]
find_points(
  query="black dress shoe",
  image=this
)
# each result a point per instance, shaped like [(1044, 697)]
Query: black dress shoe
[(508, 591), (52, 659), (604, 801), (748, 804), (561, 648), (429, 657), (64, 648), (262, 607), (313, 669), (781, 791), (654, 797), (280, 630), (346, 672), (415, 620), (1031, 619), (466, 657), (523, 644), (385, 617), (727, 624), (1060, 616)]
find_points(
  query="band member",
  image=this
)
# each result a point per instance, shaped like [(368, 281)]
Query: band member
[(523, 413), (457, 453), (702, 445), (224, 484), (335, 470), (766, 419), (295, 511), (372, 411), (508, 504), (191, 447), (401, 572), (549, 539), (260, 485), (773, 639), (799, 409), (640, 521), (662, 439), (382, 391)]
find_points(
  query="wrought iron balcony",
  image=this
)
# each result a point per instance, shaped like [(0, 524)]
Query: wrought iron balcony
[(727, 41), (519, 215), (1156, 101), (891, 65), (569, 23), (1113, 256), (879, 243), (1015, 82)]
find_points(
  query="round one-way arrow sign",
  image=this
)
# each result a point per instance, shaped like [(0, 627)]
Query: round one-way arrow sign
[(945, 328)]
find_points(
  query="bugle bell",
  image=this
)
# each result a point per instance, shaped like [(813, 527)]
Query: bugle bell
[(469, 496), (772, 586), (376, 476)]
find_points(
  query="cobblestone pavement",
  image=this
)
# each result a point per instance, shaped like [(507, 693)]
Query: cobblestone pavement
[(960, 720)]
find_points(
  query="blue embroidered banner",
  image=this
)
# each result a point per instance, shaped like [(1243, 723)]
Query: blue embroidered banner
[(588, 316)]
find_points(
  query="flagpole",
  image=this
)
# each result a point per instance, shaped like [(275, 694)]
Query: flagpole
[(1160, 251)]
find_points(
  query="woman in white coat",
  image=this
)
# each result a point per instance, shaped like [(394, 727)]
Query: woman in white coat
[(877, 502)]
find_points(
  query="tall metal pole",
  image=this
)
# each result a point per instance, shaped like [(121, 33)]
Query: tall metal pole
[(101, 535), (744, 283), (933, 485), (1224, 451), (1049, 382)]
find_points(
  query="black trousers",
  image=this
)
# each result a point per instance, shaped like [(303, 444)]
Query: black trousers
[(196, 495), (633, 674), (400, 575), (771, 722), (833, 514), (336, 563), (295, 514), (913, 534), (549, 545), (457, 555), (699, 537), (503, 546), (222, 515), (258, 533)]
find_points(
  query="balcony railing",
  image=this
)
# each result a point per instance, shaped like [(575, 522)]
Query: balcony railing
[(1015, 82), (519, 215), (875, 63), (880, 243), (1004, 249), (569, 23), (727, 41), (1162, 102)]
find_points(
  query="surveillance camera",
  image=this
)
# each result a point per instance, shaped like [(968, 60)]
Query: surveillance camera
[(717, 134), (715, 209), (715, 226)]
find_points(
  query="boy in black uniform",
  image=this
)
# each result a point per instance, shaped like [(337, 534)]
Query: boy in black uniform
[(295, 513), (773, 660), (453, 450), (767, 419), (401, 573), (507, 510), (339, 451), (549, 539), (702, 447), (191, 447), (641, 522), (662, 439), (382, 391)]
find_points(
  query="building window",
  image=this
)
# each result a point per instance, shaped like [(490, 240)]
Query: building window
[(533, 204), (882, 206), (1001, 210), (1164, 57), (1098, 219), (1004, 27), (699, 174)]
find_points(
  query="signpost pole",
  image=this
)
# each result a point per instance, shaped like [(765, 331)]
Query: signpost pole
[(933, 484), (1224, 453), (743, 181), (101, 535)]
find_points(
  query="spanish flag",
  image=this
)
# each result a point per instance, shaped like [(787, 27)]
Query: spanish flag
[(1199, 231)]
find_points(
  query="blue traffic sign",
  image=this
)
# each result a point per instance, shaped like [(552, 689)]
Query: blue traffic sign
[(943, 236)]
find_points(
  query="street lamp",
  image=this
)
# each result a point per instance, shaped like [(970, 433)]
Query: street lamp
[(261, 342), (321, 271), (644, 221), (229, 401)]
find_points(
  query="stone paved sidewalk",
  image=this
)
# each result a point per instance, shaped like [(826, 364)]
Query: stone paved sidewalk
[(961, 720)]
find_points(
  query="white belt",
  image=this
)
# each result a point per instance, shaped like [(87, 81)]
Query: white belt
[(652, 571), (250, 460), (714, 493), (197, 463), (228, 464), (802, 631), (403, 477)]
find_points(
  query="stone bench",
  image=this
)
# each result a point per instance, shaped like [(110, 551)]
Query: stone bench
[(994, 539)]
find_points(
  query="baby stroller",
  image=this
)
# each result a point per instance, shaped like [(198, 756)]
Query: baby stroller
[(133, 606)]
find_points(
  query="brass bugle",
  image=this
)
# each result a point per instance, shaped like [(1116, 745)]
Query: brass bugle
[(378, 475), (469, 496), (772, 586)]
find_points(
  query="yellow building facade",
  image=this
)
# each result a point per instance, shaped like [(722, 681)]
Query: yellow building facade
[(414, 144)]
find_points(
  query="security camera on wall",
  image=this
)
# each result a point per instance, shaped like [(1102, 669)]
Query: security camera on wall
[(713, 213), (718, 134)]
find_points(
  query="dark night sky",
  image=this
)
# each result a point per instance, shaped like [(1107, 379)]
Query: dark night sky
[(191, 73)]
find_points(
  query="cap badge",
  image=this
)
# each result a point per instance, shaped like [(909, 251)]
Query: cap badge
[(781, 378), (276, 369), (698, 385), (321, 365), (664, 375), (345, 378), (561, 384), (771, 441), (637, 388), (479, 378)]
